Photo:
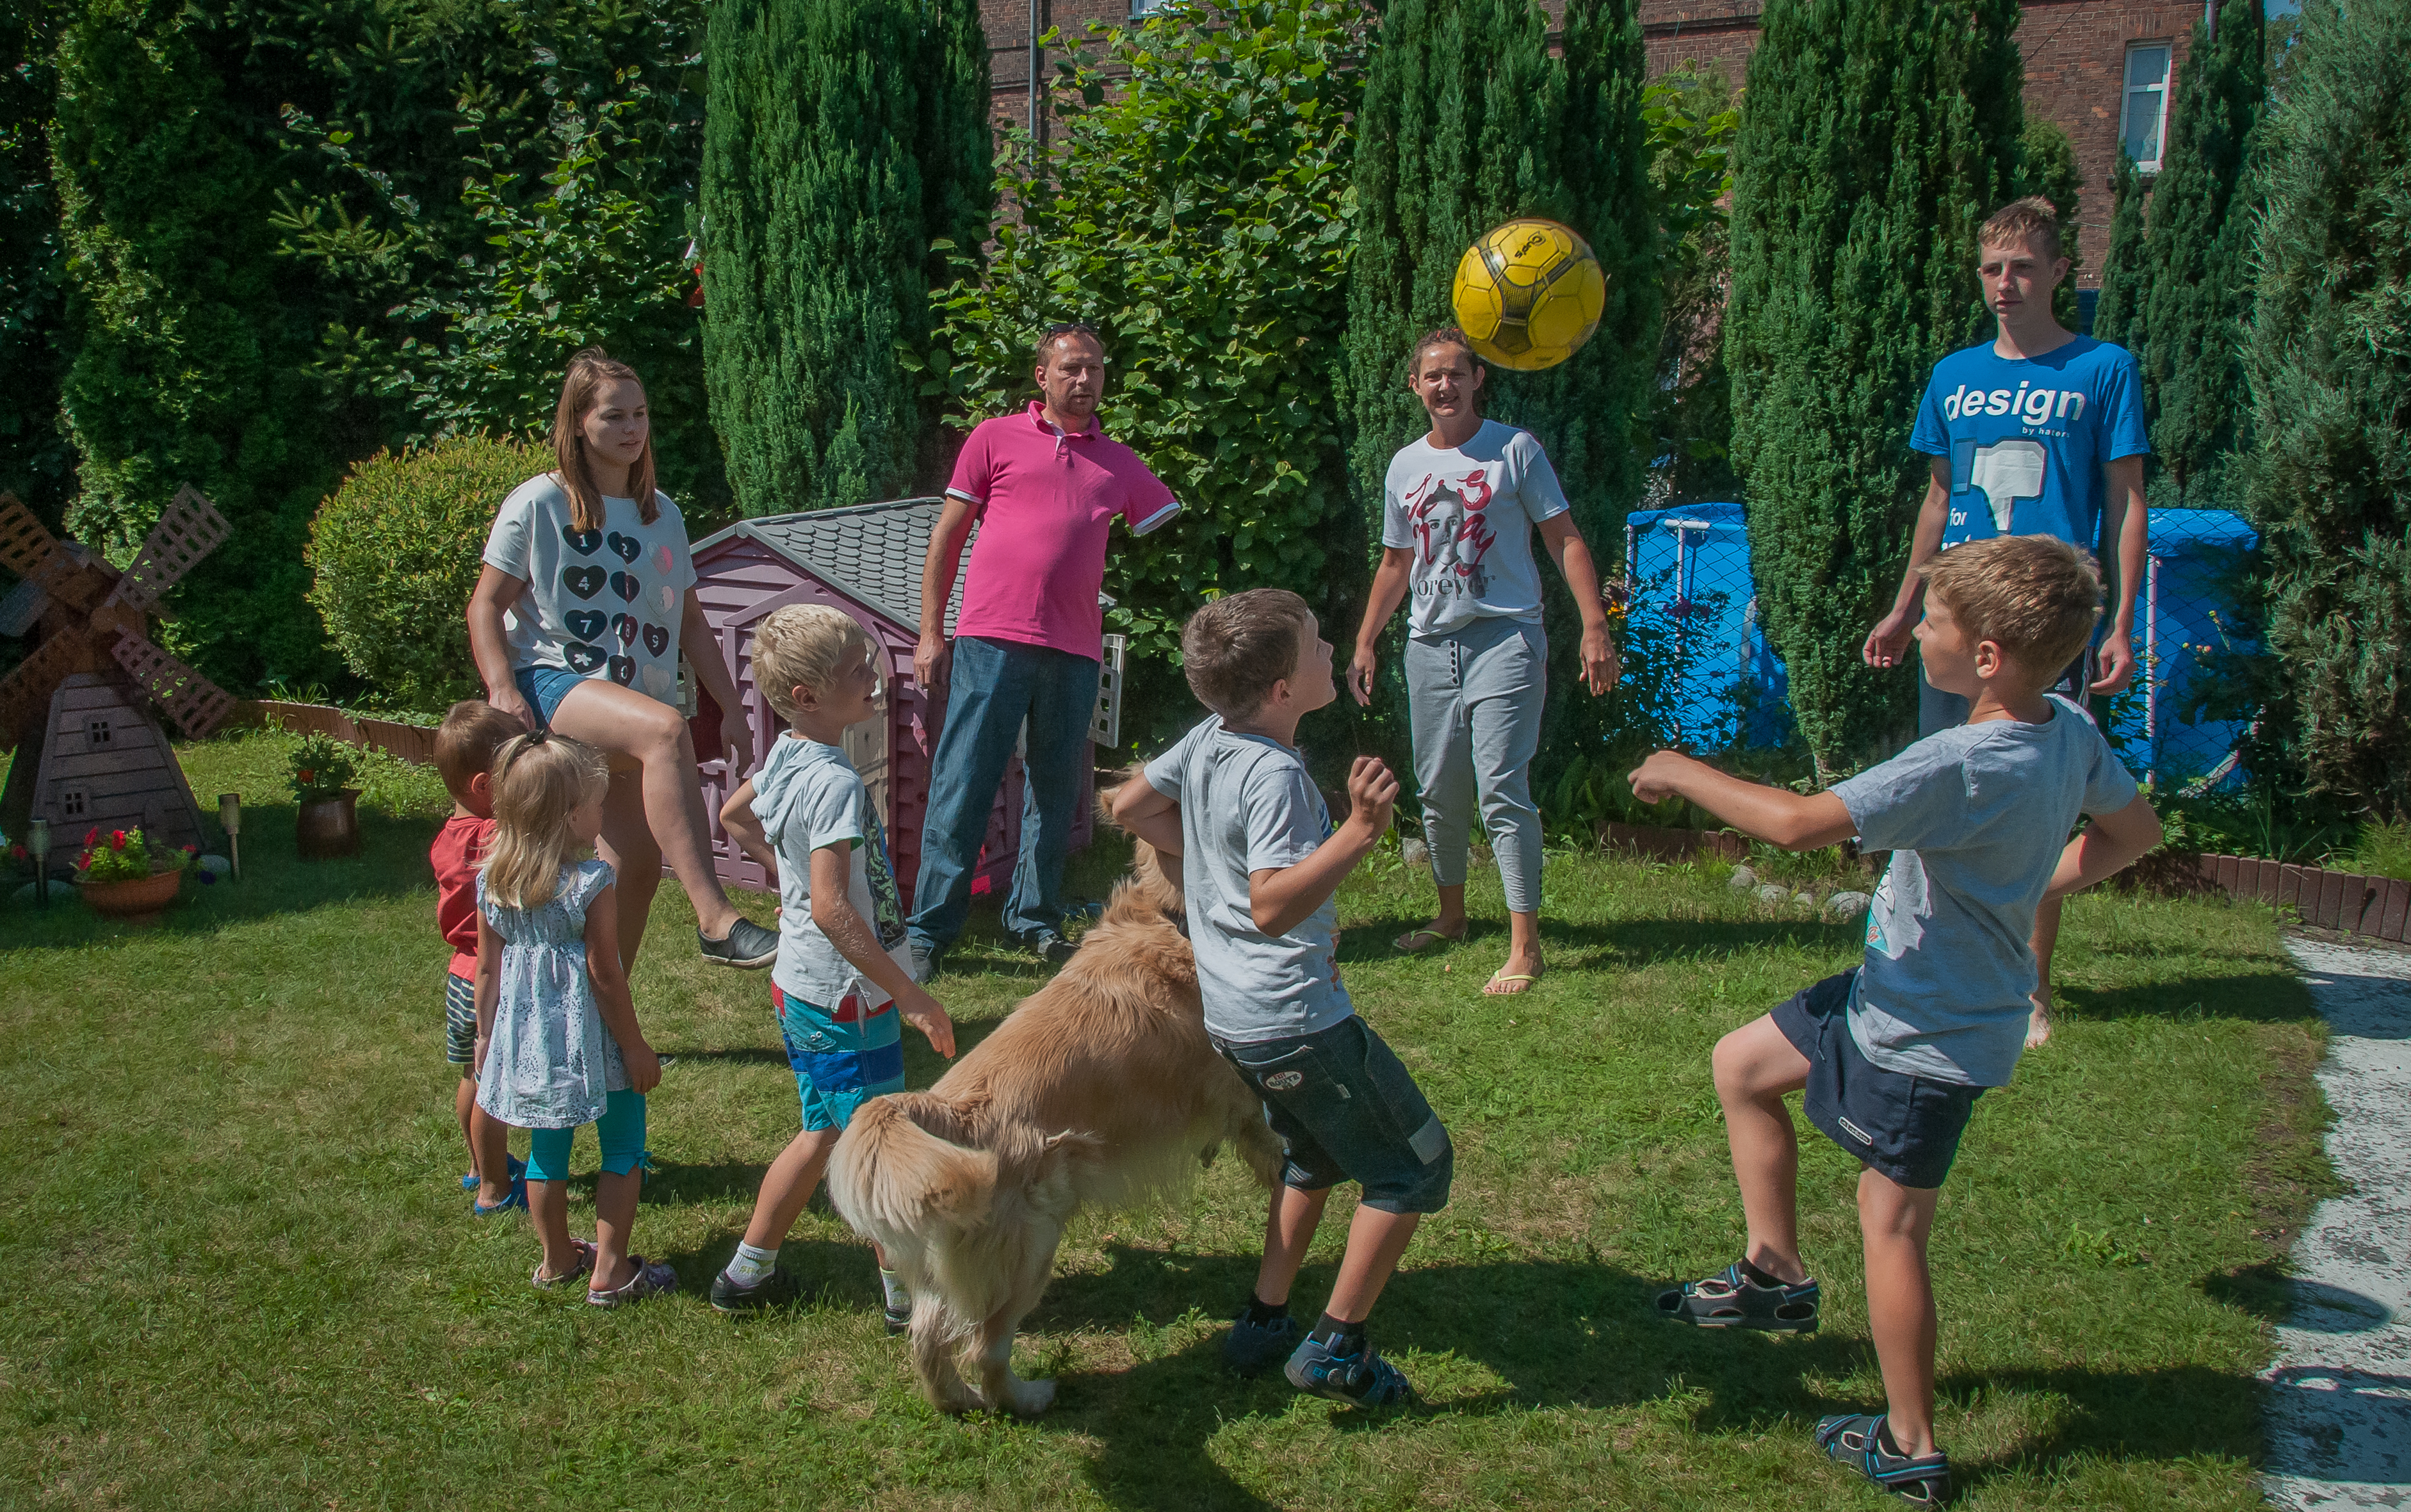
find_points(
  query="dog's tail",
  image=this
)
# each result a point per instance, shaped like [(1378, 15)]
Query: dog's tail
[(919, 1197)]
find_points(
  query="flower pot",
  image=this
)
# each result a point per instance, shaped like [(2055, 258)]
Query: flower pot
[(135, 901), (326, 827)]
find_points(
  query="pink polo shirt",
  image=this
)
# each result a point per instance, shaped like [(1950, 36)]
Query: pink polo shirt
[(1047, 500)]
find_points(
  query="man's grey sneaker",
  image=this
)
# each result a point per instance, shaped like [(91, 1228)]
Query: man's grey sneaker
[(1249, 1347), (653, 1278), (1858, 1439), (1049, 946), (748, 945), (899, 1320), (1361, 1378), (729, 1296), (925, 961)]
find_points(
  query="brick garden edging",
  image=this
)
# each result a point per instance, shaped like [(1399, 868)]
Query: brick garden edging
[(413, 744), (2378, 906)]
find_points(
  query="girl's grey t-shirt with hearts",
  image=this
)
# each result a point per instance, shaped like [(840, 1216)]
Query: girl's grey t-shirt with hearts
[(602, 603)]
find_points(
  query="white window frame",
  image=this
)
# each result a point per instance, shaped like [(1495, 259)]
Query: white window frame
[(2127, 91)]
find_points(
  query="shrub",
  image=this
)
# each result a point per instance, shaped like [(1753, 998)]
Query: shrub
[(395, 552)]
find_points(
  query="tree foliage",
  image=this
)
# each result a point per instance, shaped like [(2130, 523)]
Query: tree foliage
[(847, 150), (1195, 207), (2328, 359), (1693, 116), (37, 463), (2117, 312), (2192, 272), (2047, 167), (1469, 120), (1876, 137)]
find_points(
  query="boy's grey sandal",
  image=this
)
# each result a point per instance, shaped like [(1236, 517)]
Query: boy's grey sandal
[(1729, 1299), (1857, 1439)]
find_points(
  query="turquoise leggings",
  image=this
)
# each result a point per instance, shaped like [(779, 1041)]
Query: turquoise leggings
[(622, 1130)]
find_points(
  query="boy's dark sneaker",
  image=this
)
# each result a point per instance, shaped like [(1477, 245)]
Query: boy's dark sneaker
[(729, 1296), (748, 945), (1250, 1346), (1862, 1440), (1361, 1378), (1731, 1299)]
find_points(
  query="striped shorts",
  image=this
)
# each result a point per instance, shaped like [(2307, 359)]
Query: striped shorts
[(460, 1021)]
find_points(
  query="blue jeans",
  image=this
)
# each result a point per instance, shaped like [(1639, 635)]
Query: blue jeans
[(995, 685)]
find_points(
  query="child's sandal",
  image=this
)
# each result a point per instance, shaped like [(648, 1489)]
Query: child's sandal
[(1858, 1439), (536, 1278), (1732, 1301), (652, 1279)]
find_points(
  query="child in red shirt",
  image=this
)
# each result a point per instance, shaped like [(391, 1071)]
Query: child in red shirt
[(465, 744)]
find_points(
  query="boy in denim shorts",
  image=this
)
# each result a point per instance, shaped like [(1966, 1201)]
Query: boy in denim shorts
[(472, 731), (1260, 863), (1894, 1053), (843, 978)]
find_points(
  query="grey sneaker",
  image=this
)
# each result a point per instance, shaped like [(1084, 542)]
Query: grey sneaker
[(728, 1295), (748, 945), (1049, 946), (925, 961)]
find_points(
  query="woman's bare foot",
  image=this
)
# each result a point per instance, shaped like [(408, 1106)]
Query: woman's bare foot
[(1415, 941), (2038, 1021), (1517, 976)]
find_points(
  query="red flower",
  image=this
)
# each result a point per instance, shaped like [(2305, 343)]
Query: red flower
[(16, 853), (117, 840), (307, 775), (191, 850), (92, 836)]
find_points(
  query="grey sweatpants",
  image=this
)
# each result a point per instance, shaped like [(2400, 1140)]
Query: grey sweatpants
[(1473, 698)]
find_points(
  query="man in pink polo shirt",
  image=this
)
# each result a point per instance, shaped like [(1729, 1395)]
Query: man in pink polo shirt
[(1049, 482)]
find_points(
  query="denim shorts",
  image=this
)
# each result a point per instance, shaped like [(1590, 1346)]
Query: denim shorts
[(460, 1021), (543, 687), (1346, 1110), (1906, 1127), (842, 1057)]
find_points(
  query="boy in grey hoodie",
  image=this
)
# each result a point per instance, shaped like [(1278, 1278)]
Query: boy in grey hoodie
[(843, 978)]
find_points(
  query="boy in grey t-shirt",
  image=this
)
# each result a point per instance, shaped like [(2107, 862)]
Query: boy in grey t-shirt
[(1894, 1053), (1260, 863)]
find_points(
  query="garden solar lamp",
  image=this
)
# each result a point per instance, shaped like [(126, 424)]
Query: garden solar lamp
[(38, 842), (230, 820)]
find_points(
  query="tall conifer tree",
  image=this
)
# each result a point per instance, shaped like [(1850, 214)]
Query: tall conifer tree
[(1876, 137), (2118, 313), (845, 139), (1468, 120), (2329, 477), (2193, 284)]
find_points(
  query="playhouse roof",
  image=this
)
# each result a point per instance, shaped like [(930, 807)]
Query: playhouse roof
[(870, 552)]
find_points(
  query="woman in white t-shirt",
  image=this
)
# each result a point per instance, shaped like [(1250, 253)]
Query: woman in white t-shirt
[(1459, 506), (576, 623)]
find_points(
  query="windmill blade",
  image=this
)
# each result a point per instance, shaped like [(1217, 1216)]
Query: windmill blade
[(188, 530), (27, 548), (193, 701), (27, 691)]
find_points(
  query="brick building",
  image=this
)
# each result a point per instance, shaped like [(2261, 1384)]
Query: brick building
[(2100, 68)]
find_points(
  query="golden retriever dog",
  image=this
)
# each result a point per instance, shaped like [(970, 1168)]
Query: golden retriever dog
[(1097, 1090)]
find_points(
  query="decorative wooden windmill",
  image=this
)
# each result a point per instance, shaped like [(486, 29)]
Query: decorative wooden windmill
[(80, 706)]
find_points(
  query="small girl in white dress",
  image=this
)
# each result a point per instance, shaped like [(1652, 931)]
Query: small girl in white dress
[(558, 1043)]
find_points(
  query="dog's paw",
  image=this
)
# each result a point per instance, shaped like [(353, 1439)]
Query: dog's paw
[(1030, 1397)]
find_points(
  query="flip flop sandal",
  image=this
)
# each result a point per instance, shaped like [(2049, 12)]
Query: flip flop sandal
[(652, 1279), (1429, 938), (1733, 1300), (1858, 1439), (1497, 977), (537, 1278)]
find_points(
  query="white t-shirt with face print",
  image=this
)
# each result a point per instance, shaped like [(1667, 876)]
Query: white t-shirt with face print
[(1467, 513), (603, 603)]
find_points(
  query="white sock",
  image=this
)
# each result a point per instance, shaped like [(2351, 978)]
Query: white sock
[(751, 1265), (900, 1299)]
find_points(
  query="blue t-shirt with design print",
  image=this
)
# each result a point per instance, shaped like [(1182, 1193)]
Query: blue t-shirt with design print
[(2027, 437)]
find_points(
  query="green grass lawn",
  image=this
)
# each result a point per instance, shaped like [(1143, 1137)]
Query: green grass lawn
[(239, 1273)]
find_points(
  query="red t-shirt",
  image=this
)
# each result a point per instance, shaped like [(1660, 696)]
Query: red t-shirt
[(1046, 499), (460, 848)]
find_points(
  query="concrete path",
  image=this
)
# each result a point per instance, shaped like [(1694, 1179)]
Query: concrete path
[(2340, 1390)]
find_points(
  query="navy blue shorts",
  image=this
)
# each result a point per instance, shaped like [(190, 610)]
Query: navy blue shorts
[(543, 687), (1905, 1126), (1347, 1108)]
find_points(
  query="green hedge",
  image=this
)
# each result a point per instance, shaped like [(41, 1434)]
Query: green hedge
[(394, 554)]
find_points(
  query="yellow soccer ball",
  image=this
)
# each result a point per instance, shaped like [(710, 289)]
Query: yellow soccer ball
[(1529, 293)]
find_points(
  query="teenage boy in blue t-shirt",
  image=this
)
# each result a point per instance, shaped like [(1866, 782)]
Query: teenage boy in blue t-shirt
[(2038, 431)]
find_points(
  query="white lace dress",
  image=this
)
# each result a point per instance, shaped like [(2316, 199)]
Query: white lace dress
[(550, 1061)]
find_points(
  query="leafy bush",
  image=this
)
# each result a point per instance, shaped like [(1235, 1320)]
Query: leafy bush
[(125, 856), (395, 552), (1198, 213), (1692, 117), (322, 767), (2381, 850)]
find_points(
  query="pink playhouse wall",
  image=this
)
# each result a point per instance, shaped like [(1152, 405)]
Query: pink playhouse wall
[(740, 581)]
